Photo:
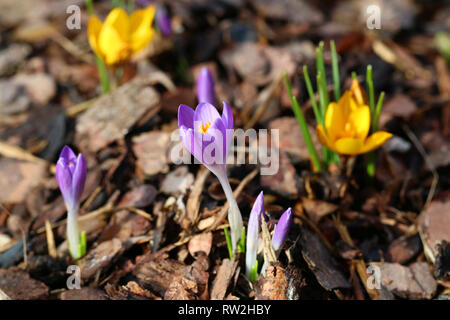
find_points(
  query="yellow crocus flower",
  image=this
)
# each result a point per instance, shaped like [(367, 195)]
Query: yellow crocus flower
[(347, 125), (121, 35)]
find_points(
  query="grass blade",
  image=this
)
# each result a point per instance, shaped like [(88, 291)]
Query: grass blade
[(335, 67)]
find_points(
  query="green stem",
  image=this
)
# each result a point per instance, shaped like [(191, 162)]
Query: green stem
[(303, 126), (103, 73), (89, 7)]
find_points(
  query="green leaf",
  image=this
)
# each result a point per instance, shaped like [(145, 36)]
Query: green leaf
[(254, 272), (82, 245), (335, 67), (303, 126), (312, 96), (228, 241), (369, 82), (241, 245)]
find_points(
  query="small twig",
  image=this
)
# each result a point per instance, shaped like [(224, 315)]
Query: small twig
[(427, 160), (4, 296), (50, 240)]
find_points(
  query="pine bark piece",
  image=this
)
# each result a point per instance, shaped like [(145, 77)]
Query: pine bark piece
[(321, 262), (18, 285), (112, 116)]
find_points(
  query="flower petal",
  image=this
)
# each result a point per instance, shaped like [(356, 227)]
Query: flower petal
[(64, 179), (323, 138), (112, 47), (215, 147), (68, 155), (79, 179), (357, 92), (118, 20), (94, 27), (349, 146), (376, 140), (141, 28), (227, 116), (360, 121), (204, 113), (185, 116), (334, 120)]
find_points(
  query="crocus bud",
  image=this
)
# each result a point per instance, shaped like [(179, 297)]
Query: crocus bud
[(253, 233), (71, 177), (282, 229), (205, 87), (163, 21)]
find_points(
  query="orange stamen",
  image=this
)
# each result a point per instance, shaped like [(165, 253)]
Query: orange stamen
[(203, 128)]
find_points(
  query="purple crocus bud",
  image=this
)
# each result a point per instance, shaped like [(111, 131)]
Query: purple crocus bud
[(208, 136), (205, 86), (163, 21), (253, 233), (282, 229), (71, 177)]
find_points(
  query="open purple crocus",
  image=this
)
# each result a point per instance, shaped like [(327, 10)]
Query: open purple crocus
[(208, 136), (71, 177)]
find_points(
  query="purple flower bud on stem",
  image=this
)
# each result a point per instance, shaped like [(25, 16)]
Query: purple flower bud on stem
[(71, 177), (282, 229), (163, 21), (205, 86), (253, 233), (207, 136)]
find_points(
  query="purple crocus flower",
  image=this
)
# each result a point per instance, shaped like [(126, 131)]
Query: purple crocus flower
[(253, 233), (282, 229), (163, 21), (205, 86), (208, 135), (71, 177)]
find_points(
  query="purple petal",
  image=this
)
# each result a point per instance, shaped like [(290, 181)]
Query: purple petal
[(79, 178), (253, 233), (185, 116), (204, 113), (68, 155), (227, 116), (282, 229), (64, 179), (205, 86)]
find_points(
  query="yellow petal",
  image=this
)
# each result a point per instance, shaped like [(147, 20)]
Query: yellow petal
[(334, 120), (118, 20), (349, 146), (110, 43), (376, 140), (141, 28), (94, 27), (359, 120), (357, 92), (322, 136)]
